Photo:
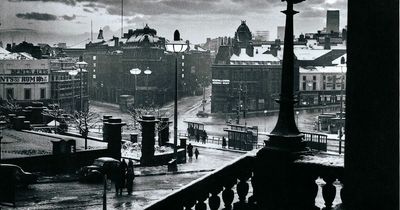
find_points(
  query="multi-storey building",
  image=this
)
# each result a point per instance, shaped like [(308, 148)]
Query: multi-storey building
[(244, 77), (23, 78), (68, 90), (110, 63), (332, 21), (322, 85)]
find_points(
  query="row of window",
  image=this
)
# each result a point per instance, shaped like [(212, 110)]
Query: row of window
[(27, 93)]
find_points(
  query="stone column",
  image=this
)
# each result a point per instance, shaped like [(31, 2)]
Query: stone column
[(105, 119), (148, 123), (113, 127), (36, 110)]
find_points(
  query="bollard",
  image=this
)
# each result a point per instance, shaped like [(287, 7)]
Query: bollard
[(105, 119), (113, 127), (148, 123)]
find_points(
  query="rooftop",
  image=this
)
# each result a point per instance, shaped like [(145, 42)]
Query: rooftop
[(324, 69)]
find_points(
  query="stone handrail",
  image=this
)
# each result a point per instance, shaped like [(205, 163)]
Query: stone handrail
[(239, 173)]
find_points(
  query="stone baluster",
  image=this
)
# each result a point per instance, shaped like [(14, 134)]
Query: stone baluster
[(189, 203), (228, 194), (214, 201), (242, 189), (252, 198), (201, 201), (304, 189), (328, 191)]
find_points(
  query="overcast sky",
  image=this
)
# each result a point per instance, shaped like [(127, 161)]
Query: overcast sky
[(195, 19)]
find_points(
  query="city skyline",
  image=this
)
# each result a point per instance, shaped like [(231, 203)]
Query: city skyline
[(70, 20)]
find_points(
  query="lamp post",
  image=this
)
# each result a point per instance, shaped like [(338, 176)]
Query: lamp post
[(297, 117), (135, 72), (176, 47), (73, 73), (343, 63), (147, 72), (286, 134), (81, 64)]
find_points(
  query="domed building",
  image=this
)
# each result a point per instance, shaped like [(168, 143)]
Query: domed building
[(243, 39), (110, 63)]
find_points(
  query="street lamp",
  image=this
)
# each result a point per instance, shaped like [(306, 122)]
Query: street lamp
[(73, 73), (135, 72), (81, 64), (176, 47), (297, 117), (147, 72)]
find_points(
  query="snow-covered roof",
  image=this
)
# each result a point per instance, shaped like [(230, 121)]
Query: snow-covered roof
[(309, 54), (5, 55), (142, 37), (193, 47), (337, 60), (3, 51), (324, 69), (257, 57)]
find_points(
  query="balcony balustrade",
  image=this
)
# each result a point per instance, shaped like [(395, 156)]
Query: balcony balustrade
[(231, 187)]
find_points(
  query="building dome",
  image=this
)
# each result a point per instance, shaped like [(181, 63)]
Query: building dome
[(146, 34), (243, 33)]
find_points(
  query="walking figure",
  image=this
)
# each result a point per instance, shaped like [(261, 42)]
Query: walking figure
[(120, 178), (190, 150), (130, 176), (223, 142), (197, 136), (196, 153), (204, 137)]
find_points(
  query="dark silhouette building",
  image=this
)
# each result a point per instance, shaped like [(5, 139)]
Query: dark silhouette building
[(110, 62)]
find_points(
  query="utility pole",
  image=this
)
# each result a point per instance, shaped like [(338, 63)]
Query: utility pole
[(238, 104), (342, 62), (122, 18)]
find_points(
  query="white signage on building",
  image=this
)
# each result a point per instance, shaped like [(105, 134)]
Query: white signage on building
[(23, 79), (220, 82)]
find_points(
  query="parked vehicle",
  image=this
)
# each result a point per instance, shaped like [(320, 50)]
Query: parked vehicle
[(22, 177), (100, 166)]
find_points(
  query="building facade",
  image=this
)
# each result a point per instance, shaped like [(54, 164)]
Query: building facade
[(25, 81), (322, 85), (332, 21), (110, 62), (66, 90), (244, 77)]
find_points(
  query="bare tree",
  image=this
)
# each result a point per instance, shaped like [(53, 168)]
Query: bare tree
[(9, 107), (83, 121), (56, 113), (136, 113)]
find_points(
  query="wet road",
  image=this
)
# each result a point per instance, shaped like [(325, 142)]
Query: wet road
[(89, 196), (75, 195)]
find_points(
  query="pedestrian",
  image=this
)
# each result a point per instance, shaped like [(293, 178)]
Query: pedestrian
[(197, 136), (190, 150), (130, 176), (120, 179), (204, 137), (223, 142), (196, 153)]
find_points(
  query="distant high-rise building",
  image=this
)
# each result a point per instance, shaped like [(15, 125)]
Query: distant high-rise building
[(332, 21), (262, 36), (281, 33)]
